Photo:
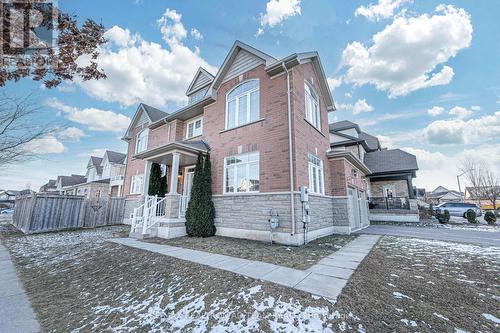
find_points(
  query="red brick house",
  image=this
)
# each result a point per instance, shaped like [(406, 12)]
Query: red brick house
[(264, 122)]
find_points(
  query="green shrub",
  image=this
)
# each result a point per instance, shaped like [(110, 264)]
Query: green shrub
[(490, 218), (443, 217), (471, 216), (200, 213)]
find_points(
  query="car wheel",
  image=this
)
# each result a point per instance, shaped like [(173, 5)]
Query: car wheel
[(465, 215)]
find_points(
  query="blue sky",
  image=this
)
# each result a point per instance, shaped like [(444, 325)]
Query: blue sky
[(421, 75)]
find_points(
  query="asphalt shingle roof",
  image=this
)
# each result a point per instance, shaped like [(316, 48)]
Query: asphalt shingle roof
[(72, 180), (390, 160), (96, 161), (115, 157), (343, 124), (370, 140), (153, 113)]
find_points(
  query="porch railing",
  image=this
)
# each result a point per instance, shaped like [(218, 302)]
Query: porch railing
[(389, 203)]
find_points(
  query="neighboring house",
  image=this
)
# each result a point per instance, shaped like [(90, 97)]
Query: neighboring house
[(49, 187), (264, 122), (477, 196), (383, 175), (104, 176), (67, 184), (441, 195), (7, 198)]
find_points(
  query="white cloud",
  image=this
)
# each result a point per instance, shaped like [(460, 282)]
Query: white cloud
[(99, 152), (141, 71), (475, 108), (435, 111), (385, 141), (381, 10), (432, 172), (196, 34), (71, 133), (358, 107), (276, 12), (460, 112), (424, 43), (459, 131), (334, 83), (46, 145), (94, 119)]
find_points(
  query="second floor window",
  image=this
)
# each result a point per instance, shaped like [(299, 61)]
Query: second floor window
[(312, 106), (141, 143), (242, 105), (194, 128)]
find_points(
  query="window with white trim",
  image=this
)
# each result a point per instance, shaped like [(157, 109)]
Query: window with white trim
[(137, 184), (242, 104), (312, 106), (194, 128), (141, 143), (316, 181), (241, 173)]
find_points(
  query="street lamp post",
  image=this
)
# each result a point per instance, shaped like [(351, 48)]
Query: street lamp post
[(459, 189)]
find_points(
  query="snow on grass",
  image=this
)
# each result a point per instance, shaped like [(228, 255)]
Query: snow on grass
[(440, 316), (399, 295), (492, 318), (409, 322)]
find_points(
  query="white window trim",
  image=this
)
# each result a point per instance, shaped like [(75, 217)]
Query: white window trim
[(248, 93), (193, 121), (137, 140), (247, 174), (132, 183), (318, 109), (319, 168)]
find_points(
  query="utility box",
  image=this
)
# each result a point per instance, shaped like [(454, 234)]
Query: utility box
[(304, 194), (306, 218)]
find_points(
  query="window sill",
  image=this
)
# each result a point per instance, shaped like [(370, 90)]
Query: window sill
[(317, 129), (250, 123), (194, 137), (241, 193)]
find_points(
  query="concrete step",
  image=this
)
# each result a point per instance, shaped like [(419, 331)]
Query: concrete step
[(139, 235)]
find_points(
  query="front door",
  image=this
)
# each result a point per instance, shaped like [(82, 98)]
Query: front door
[(188, 181), (353, 198)]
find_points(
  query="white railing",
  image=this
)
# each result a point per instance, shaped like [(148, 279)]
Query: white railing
[(183, 204)]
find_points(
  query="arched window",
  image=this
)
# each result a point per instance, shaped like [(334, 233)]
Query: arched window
[(242, 104), (312, 106), (141, 143)]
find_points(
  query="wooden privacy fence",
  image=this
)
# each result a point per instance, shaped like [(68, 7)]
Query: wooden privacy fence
[(51, 212)]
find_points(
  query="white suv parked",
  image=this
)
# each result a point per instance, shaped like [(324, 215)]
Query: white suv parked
[(457, 208)]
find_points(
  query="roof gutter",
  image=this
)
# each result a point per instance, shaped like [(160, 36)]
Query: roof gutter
[(290, 148)]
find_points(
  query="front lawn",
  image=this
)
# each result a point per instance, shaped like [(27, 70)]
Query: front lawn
[(77, 281), (301, 257)]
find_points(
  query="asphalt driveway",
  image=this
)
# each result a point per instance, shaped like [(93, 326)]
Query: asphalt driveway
[(444, 234)]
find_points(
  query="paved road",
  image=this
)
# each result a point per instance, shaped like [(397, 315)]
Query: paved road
[(16, 314), (443, 234)]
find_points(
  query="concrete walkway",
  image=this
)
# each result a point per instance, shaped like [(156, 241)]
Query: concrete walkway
[(16, 313), (327, 278), (444, 234)]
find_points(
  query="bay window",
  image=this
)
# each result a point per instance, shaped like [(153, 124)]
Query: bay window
[(312, 106), (241, 173), (316, 182), (242, 104)]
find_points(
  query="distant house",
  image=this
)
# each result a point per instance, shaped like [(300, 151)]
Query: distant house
[(67, 184), (478, 196), (8, 197), (387, 174), (49, 187), (442, 194), (104, 176)]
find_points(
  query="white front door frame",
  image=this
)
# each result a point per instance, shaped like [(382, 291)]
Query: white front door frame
[(185, 183)]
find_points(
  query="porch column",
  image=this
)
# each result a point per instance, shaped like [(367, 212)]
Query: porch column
[(119, 190), (174, 173), (147, 171), (409, 180)]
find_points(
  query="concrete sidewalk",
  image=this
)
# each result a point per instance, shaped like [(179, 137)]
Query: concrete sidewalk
[(327, 278), (16, 313)]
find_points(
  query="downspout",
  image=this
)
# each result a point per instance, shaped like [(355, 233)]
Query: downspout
[(290, 147)]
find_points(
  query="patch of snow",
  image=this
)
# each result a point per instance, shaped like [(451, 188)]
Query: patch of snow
[(399, 295), (440, 316), (394, 275), (491, 317), (391, 285), (409, 322), (418, 277)]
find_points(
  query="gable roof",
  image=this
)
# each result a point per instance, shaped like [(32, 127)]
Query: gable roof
[(95, 161), (152, 113), (372, 142), (237, 46), (115, 157), (342, 125), (390, 161), (201, 79), (71, 180)]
